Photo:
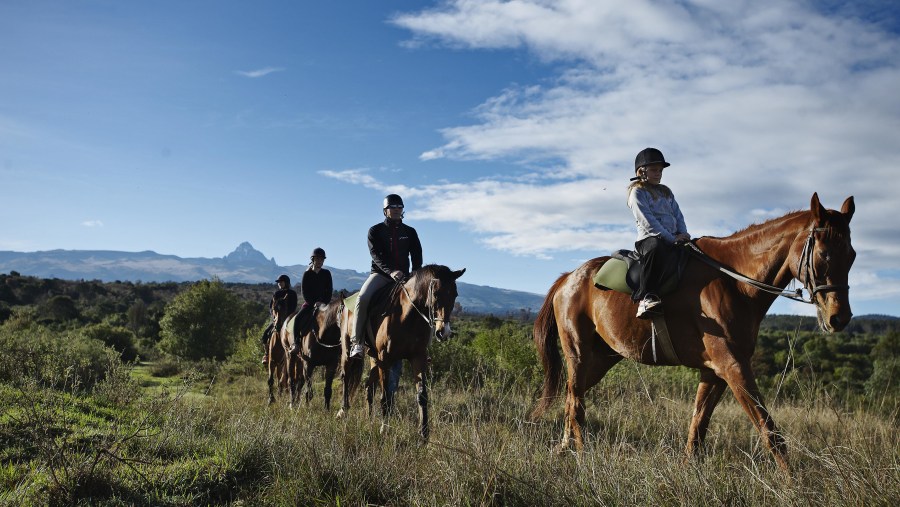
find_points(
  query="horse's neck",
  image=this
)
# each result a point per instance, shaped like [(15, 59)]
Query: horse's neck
[(762, 252)]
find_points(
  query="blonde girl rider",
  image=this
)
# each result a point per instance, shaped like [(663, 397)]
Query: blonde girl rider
[(660, 225)]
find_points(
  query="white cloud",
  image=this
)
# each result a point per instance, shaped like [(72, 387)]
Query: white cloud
[(259, 72), (92, 223), (756, 104)]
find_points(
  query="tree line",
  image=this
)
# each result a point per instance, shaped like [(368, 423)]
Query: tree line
[(211, 320)]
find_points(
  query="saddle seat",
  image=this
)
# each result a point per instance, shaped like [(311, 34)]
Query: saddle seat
[(622, 272), (379, 306)]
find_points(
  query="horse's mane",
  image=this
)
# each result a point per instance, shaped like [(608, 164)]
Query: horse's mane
[(752, 232), (332, 310)]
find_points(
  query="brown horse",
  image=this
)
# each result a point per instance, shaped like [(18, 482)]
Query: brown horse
[(321, 346), (419, 310), (713, 319)]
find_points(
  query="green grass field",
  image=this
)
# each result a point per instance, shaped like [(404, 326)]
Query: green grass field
[(140, 439)]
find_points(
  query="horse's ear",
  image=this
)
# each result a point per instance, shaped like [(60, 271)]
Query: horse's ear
[(817, 209), (457, 274), (848, 208)]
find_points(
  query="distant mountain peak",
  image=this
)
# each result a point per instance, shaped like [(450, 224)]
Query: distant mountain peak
[(245, 253)]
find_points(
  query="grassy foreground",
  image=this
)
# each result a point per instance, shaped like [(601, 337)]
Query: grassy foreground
[(141, 440)]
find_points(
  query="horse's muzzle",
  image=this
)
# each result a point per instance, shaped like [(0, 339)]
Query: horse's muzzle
[(442, 333)]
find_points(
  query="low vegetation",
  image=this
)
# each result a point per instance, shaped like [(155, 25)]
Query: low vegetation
[(95, 412)]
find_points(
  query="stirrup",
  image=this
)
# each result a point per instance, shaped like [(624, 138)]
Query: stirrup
[(356, 350)]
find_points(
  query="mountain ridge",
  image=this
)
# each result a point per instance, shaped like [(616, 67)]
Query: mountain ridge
[(244, 264)]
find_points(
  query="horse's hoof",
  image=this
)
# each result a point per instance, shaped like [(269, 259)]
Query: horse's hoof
[(340, 414)]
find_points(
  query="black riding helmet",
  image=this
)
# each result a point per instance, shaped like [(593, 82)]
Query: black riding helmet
[(648, 156), (317, 252), (392, 200), (284, 278)]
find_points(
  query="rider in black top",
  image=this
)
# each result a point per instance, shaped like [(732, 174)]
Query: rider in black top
[(284, 303), (392, 245), (316, 287)]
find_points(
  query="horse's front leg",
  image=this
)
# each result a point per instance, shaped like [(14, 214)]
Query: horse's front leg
[(419, 365), (330, 370), (742, 382)]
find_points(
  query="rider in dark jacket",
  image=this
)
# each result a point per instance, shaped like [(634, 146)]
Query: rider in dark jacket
[(316, 287), (392, 245), (284, 303)]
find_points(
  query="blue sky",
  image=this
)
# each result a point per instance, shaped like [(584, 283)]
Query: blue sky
[(510, 128)]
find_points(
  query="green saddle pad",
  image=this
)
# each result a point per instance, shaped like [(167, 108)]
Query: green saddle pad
[(350, 301), (611, 276)]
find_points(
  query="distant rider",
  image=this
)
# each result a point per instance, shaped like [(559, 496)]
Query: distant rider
[(284, 303), (392, 245), (316, 287)]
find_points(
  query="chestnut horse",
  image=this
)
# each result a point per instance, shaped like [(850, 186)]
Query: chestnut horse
[(419, 310), (713, 318), (321, 346)]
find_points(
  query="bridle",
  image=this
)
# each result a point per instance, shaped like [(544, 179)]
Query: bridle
[(806, 260), (431, 318)]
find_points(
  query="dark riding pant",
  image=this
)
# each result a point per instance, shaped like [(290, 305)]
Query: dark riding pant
[(655, 254)]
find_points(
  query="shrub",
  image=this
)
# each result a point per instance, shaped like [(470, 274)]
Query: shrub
[(60, 360), (202, 322), (119, 338)]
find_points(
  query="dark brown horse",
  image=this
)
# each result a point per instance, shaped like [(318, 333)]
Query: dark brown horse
[(713, 319), (321, 346), (419, 310)]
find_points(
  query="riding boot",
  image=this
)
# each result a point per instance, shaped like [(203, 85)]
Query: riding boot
[(356, 348)]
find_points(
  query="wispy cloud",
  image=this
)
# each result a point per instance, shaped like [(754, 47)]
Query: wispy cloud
[(92, 223), (259, 72)]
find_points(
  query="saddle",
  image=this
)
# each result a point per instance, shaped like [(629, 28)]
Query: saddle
[(622, 272), (379, 307)]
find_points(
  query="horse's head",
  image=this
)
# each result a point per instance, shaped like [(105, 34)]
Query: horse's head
[(824, 263), (435, 286)]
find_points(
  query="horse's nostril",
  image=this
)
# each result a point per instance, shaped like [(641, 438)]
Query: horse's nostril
[(837, 323)]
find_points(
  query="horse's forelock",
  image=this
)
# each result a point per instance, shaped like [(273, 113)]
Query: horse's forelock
[(423, 276)]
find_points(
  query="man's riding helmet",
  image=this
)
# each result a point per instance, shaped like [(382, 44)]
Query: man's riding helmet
[(392, 200), (649, 156), (284, 278), (317, 252)]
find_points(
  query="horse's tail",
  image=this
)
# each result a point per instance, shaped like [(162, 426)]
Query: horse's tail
[(546, 336)]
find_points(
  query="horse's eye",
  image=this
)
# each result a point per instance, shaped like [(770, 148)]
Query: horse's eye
[(826, 255)]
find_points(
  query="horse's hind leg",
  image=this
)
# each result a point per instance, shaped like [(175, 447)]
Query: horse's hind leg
[(709, 392), (588, 361), (308, 380)]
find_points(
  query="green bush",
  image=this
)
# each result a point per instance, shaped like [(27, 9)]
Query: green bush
[(119, 338), (202, 322), (60, 360)]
